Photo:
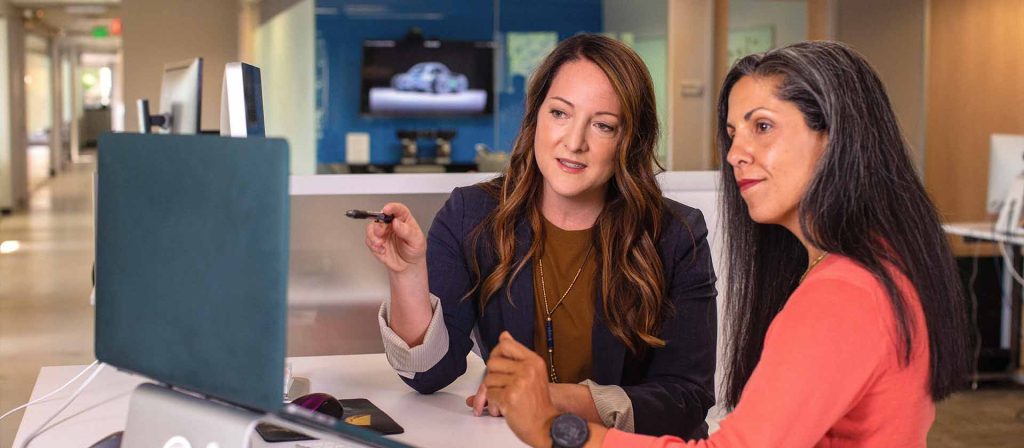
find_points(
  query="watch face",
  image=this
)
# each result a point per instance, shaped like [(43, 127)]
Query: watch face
[(569, 431)]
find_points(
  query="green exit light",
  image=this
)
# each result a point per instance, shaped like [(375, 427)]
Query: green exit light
[(100, 31)]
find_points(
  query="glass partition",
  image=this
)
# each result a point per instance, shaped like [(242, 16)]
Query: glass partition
[(353, 137)]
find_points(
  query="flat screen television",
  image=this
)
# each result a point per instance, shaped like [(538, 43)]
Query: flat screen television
[(431, 77)]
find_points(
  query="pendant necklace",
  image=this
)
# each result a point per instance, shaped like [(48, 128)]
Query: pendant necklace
[(549, 330), (813, 264)]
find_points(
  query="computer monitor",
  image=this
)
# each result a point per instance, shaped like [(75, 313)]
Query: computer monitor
[(192, 268), (1006, 162), (191, 263), (180, 100), (241, 102)]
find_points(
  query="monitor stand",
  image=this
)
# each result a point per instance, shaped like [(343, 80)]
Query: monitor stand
[(161, 417)]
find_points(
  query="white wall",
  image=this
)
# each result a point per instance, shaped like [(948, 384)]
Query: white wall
[(38, 84), (13, 161), (284, 50), (118, 106), (56, 88), (6, 195)]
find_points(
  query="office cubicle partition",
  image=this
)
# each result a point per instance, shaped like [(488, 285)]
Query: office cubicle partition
[(336, 286)]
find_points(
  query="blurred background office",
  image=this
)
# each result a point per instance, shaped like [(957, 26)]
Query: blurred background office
[(72, 69)]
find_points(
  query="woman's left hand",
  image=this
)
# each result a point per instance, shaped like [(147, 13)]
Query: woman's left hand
[(517, 384), (479, 402)]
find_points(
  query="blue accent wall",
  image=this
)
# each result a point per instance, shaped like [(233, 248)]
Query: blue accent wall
[(343, 25)]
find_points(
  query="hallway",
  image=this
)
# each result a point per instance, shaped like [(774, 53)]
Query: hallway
[(45, 315)]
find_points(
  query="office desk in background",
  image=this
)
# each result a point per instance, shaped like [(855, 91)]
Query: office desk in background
[(1010, 331), (437, 420)]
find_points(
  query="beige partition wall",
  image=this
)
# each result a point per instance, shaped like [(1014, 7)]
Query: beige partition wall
[(157, 32), (691, 82), (891, 35), (975, 87)]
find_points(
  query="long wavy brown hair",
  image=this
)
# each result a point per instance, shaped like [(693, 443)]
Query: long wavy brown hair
[(630, 273)]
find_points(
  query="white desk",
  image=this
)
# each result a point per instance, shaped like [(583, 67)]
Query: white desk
[(984, 231), (1010, 331), (437, 420)]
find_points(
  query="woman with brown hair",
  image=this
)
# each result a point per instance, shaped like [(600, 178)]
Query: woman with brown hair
[(574, 251), (846, 320)]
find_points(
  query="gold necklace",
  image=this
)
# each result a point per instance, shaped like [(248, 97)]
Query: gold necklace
[(548, 328), (813, 264)]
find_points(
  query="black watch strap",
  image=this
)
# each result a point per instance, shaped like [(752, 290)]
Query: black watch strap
[(569, 431)]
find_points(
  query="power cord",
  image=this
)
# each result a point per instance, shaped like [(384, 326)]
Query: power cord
[(1009, 264), (44, 397), (974, 315), (42, 427), (1011, 215)]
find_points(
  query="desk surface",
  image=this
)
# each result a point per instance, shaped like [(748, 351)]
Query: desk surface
[(439, 419), (983, 230)]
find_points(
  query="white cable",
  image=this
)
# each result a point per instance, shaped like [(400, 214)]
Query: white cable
[(1009, 264), (37, 400), (974, 314), (67, 403), (1010, 228)]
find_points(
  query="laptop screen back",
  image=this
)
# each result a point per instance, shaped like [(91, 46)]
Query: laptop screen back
[(192, 262)]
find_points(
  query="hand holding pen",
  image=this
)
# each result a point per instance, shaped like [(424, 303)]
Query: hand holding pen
[(402, 248), (394, 237)]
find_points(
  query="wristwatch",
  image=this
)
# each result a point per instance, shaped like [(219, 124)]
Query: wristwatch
[(569, 431)]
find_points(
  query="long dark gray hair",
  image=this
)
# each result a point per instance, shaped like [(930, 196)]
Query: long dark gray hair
[(865, 202)]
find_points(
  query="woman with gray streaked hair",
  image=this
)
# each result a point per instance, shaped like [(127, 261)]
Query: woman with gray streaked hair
[(846, 319)]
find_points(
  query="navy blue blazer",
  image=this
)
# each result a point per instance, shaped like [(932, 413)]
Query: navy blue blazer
[(671, 388)]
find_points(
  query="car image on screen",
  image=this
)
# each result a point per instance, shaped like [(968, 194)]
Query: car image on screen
[(430, 77)]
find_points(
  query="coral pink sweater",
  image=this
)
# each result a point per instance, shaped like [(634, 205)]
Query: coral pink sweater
[(830, 372)]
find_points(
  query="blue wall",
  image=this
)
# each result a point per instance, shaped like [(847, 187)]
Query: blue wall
[(343, 25)]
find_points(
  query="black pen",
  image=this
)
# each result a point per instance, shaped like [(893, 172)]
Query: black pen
[(377, 216)]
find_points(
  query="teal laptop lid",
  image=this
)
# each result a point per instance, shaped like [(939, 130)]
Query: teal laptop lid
[(192, 262)]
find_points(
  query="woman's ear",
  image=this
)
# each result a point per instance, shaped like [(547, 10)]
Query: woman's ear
[(822, 142)]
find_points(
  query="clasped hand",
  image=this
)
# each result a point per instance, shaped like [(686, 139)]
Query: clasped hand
[(517, 387)]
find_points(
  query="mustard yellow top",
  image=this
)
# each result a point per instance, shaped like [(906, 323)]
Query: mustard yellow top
[(572, 321)]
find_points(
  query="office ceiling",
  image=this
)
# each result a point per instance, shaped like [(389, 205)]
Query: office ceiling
[(48, 3), (73, 21)]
